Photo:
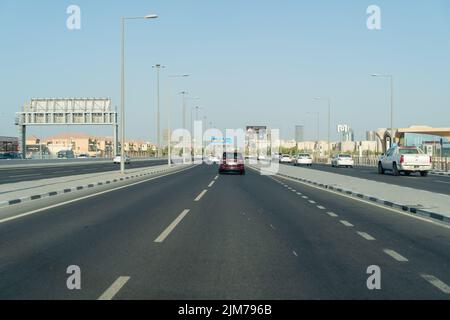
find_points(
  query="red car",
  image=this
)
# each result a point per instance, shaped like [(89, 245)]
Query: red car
[(232, 162)]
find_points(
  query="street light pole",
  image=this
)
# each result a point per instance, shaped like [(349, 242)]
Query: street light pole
[(391, 77), (184, 93), (169, 133), (122, 90), (329, 122), (158, 125)]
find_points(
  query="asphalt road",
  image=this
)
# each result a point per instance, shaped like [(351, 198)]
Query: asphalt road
[(433, 183), (195, 235), (11, 175)]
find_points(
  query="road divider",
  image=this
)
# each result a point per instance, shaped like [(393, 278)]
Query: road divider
[(21, 193)]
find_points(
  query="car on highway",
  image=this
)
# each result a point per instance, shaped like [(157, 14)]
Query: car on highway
[(66, 154), (302, 159), (405, 160), (342, 160), (83, 156), (213, 159), (285, 158), (118, 159), (232, 162)]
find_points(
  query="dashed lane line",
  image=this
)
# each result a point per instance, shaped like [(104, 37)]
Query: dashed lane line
[(171, 227), (112, 291), (366, 236), (397, 256), (437, 283), (200, 196)]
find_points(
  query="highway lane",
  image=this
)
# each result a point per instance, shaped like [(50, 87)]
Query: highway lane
[(11, 175), (194, 235), (438, 184)]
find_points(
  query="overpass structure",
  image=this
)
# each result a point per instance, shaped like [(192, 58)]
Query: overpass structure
[(73, 111)]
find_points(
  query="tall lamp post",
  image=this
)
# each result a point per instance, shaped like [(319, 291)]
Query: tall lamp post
[(122, 90), (158, 116), (169, 133), (317, 114), (329, 121), (391, 77)]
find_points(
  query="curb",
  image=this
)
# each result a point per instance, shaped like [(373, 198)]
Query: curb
[(405, 208), (13, 202)]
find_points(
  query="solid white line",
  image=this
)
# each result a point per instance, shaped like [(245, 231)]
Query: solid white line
[(437, 283), (346, 223), (87, 197), (211, 184), (200, 195), (395, 255), (366, 236), (26, 175), (321, 208), (172, 226), (114, 288), (332, 214)]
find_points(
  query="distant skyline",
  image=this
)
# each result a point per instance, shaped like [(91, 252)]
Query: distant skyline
[(251, 62)]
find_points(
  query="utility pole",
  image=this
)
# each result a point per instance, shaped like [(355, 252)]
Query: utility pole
[(158, 116)]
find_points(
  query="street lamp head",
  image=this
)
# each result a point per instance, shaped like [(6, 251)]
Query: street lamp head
[(375, 75), (151, 16)]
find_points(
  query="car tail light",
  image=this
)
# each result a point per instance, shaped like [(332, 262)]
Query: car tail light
[(402, 159)]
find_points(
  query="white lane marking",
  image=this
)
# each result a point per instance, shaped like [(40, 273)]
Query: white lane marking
[(346, 223), (295, 253), (437, 283), (89, 196), (217, 177), (312, 201), (305, 197), (114, 288), (299, 193), (440, 181), (321, 207), (397, 256), (332, 214), (211, 184), (26, 175), (200, 196), (172, 226), (403, 213), (366, 236), (272, 226)]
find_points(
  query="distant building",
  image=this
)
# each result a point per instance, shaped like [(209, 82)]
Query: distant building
[(9, 144)]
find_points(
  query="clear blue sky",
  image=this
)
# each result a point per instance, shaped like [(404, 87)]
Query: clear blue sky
[(252, 62)]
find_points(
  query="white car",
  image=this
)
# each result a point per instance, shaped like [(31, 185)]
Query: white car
[(285, 158), (118, 159), (405, 159), (342, 160), (303, 159), (213, 159)]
